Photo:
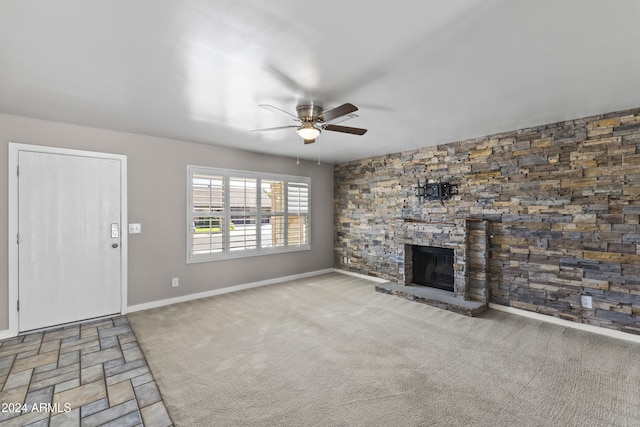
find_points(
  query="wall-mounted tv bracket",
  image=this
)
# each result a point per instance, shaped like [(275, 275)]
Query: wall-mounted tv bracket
[(431, 191)]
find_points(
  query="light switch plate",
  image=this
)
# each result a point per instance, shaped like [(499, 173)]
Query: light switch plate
[(135, 228)]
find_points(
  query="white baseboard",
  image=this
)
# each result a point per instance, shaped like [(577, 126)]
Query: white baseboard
[(6, 333), (361, 276), (214, 292), (567, 323)]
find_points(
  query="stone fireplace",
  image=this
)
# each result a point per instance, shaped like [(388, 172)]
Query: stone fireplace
[(467, 240)]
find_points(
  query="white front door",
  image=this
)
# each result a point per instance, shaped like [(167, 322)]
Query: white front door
[(69, 238)]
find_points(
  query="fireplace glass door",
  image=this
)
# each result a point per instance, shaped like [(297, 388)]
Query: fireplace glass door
[(433, 267)]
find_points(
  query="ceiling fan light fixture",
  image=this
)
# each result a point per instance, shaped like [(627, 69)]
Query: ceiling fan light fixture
[(308, 131)]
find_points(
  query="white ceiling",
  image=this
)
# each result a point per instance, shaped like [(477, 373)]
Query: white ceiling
[(422, 72)]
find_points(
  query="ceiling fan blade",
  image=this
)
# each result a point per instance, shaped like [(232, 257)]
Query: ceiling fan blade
[(276, 128), (329, 115), (279, 111), (344, 118), (345, 129), (309, 141)]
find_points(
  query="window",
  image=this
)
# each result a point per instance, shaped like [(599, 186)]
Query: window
[(236, 213)]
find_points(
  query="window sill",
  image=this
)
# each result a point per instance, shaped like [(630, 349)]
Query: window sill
[(245, 254)]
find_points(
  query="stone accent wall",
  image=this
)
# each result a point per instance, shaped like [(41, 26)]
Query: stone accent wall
[(562, 202)]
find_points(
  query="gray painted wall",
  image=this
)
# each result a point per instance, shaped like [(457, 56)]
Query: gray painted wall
[(157, 199)]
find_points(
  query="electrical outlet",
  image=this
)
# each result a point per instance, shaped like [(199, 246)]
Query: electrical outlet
[(175, 282), (586, 301), (135, 228)]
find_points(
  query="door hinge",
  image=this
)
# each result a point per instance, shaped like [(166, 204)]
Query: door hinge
[(18, 170), (18, 238), (18, 305)]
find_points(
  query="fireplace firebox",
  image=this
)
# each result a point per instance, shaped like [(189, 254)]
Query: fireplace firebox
[(433, 266)]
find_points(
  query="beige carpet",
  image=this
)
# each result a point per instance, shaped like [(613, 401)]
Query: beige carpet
[(329, 351)]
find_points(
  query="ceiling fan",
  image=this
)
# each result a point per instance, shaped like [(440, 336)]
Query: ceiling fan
[(313, 120)]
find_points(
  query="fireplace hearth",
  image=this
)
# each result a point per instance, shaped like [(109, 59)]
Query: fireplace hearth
[(433, 267)]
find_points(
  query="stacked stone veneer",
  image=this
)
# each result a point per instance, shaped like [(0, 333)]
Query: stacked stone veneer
[(562, 202)]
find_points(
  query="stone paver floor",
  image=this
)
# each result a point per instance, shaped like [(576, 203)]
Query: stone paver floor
[(91, 374)]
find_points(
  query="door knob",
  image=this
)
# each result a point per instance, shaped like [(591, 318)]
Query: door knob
[(115, 245)]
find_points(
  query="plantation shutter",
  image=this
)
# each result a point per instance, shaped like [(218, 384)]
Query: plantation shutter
[(298, 213)]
